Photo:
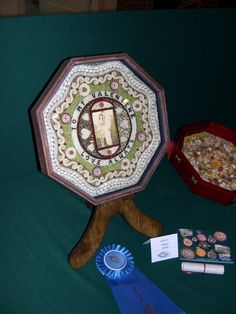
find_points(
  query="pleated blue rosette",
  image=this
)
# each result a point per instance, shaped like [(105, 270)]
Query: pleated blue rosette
[(115, 262), (133, 292)]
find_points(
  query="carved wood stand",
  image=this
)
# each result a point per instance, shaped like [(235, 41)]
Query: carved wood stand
[(101, 215)]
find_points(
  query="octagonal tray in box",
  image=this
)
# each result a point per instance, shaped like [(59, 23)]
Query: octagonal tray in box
[(204, 154)]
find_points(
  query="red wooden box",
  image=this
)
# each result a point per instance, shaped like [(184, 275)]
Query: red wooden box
[(204, 154)]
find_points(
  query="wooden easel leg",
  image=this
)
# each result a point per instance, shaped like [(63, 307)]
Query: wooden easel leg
[(138, 220), (94, 234), (92, 237)]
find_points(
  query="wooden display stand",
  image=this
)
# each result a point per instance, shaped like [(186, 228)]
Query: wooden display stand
[(95, 231), (101, 130)]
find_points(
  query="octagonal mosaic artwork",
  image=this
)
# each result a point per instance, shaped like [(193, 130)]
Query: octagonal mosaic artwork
[(101, 126)]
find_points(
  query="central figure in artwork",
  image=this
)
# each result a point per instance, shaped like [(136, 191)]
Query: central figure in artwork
[(105, 128), (103, 131)]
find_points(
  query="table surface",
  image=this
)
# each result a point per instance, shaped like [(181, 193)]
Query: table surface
[(191, 53)]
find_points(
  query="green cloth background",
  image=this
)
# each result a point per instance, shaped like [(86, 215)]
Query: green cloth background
[(191, 53)]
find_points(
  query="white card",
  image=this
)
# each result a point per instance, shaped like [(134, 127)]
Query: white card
[(165, 247)]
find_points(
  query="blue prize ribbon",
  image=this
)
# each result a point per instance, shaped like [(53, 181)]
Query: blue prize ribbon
[(115, 261), (133, 292)]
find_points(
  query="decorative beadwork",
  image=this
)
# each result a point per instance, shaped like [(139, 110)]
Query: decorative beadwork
[(102, 127), (213, 157)]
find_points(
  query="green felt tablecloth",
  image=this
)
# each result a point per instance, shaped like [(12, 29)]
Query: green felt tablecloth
[(192, 55)]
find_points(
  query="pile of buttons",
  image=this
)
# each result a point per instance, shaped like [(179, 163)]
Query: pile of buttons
[(213, 157)]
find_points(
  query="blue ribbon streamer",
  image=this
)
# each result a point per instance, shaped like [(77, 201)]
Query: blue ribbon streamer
[(133, 292)]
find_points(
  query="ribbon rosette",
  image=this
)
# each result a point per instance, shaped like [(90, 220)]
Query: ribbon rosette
[(115, 261), (133, 292)]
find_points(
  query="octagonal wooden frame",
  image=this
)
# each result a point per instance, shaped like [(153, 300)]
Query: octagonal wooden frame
[(40, 132)]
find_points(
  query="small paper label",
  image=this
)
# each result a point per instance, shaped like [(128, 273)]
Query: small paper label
[(165, 247)]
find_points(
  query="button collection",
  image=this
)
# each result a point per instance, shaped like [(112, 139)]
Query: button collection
[(213, 157), (204, 246)]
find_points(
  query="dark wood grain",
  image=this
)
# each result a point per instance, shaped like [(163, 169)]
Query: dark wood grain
[(101, 216)]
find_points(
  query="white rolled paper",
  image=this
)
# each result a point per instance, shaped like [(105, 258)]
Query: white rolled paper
[(203, 268)]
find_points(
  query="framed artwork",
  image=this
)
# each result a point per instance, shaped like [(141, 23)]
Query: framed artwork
[(101, 126)]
